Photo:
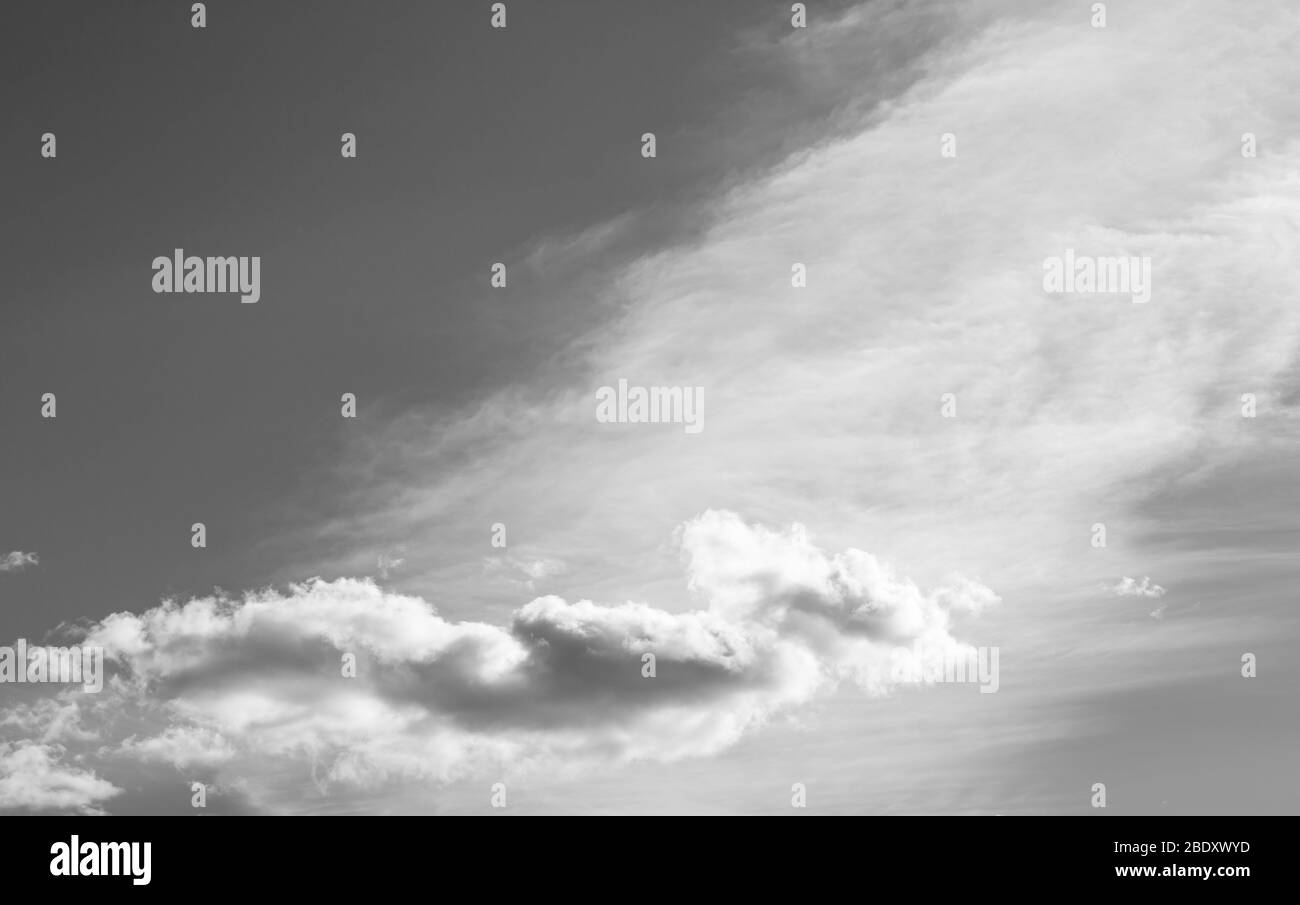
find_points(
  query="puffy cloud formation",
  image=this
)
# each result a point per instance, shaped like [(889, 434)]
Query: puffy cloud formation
[(247, 685), (1131, 587), (32, 777), (16, 560)]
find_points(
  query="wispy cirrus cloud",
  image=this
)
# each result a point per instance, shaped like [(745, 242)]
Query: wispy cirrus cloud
[(925, 279), (824, 401)]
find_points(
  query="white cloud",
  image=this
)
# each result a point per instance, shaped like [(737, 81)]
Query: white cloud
[(523, 572), (17, 560), (388, 563), (245, 685), (1131, 587), (50, 719), (180, 746), (33, 777), (924, 279)]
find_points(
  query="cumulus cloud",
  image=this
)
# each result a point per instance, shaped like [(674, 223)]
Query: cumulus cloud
[(1131, 587), (34, 777), (17, 560), (248, 685)]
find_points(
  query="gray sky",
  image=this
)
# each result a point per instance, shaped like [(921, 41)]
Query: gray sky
[(477, 664)]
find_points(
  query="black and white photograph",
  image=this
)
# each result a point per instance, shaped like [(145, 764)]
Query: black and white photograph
[(731, 408)]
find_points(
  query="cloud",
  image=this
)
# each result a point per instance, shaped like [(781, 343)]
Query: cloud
[(530, 569), (824, 401), (32, 777), (387, 563), (924, 278), (181, 746), (17, 561), (245, 686), (1130, 587), (52, 719)]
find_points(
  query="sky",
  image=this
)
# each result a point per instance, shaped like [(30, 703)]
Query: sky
[(837, 505)]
